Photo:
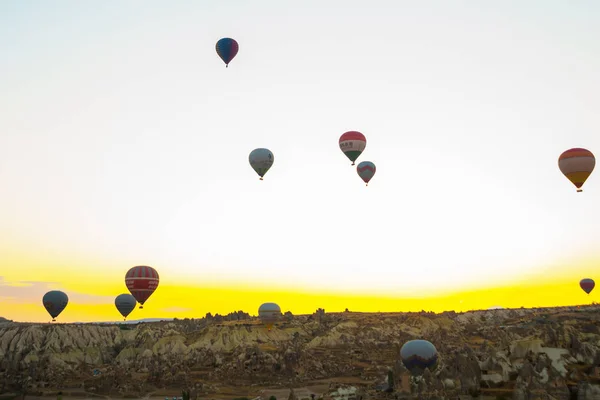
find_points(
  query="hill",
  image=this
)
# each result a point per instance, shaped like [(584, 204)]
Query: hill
[(129, 322), (515, 353)]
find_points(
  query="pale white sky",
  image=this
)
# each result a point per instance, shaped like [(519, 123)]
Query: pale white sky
[(124, 138)]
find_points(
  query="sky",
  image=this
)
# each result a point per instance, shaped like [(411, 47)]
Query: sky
[(124, 141)]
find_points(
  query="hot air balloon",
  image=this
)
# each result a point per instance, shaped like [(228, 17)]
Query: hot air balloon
[(577, 164), (353, 144), (366, 171), (261, 161), (269, 313), (125, 303), (587, 285), (55, 302), (417, 355), (227, 49), (141, 281)]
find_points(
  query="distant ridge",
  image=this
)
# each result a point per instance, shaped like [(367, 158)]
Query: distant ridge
[(240, 315), (133, 321)]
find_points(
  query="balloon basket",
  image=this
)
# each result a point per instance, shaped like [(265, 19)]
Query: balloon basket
[(579, 190), (261, 178), (141, 307), (53, 320)]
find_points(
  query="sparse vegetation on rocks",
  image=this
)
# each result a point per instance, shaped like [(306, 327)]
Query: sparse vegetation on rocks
[(493, 354)]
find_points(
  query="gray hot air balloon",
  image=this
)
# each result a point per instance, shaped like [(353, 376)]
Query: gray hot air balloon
[(269, 313), (55, 302), (125, 303), (417, 355), (261, 161)]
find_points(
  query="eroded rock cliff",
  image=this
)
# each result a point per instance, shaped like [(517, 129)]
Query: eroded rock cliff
[(512, 353)]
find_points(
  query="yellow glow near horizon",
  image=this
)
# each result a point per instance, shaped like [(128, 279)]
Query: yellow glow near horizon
[(93, 300)]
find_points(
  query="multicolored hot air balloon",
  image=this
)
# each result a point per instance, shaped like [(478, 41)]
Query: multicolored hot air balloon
[(269, 313), (261, 161), (417, 355), (141, 281), (227, 49), (125, 303), (353, 143), (366, 171), (577, 164), (55, 302), (587, 285)]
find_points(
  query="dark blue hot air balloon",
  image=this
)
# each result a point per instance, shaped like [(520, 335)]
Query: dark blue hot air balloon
[(227, 49), (261, 160), (417, 355), (55, 302), (125, 303)]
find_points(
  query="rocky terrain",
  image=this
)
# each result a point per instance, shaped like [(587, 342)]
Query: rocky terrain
[(548, 353)]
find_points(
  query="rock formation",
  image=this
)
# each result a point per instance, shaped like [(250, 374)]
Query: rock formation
[(503, 353)]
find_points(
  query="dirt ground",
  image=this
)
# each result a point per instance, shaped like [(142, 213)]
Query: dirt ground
[(225, 394), (317, 387), (301, 393)]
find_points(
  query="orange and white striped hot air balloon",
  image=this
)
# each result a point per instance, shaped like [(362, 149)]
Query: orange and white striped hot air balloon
[(577, 164)]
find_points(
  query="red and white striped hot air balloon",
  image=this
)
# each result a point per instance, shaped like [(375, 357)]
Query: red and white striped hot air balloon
[(577, 164), (141, 281)]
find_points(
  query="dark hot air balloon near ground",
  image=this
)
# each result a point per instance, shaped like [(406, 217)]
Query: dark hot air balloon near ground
[(261, 161), (587, 285), (141, 281), (577, 164), (269, 313), (366, 171), (417, 355), (125, 303), (352, 143), (55, 302), (227, 49)]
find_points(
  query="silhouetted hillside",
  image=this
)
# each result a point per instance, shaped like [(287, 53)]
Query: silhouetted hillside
[(501, 352)]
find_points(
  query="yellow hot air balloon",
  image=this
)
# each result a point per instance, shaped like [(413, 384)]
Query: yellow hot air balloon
[(577, 164)]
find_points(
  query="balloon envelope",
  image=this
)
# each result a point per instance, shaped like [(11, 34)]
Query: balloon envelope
[(261, 161), (227, 48), (587, 285), (417, 355), (55, 302), (352, 143), (366, 171), (141, 281), (125, 303), (269, 313), (577, 164)]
